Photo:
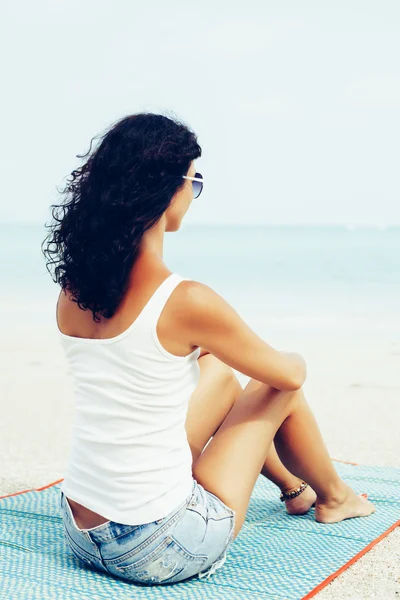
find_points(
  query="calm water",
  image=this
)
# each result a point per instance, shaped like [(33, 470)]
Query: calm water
[(314, 279)]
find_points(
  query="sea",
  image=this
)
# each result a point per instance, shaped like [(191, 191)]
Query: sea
[(307, 280)]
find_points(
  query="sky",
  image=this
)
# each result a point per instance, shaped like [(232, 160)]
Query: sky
[(296, 104)]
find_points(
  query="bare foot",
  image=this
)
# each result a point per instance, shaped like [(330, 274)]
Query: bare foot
[(350, 505), (301, 504)]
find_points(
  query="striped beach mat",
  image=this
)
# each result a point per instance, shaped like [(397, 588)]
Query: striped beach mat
[(274, 556)]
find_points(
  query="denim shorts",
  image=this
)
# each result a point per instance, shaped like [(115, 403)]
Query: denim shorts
[(192, 540)]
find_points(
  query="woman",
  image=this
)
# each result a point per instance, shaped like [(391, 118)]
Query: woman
[(167, 446)]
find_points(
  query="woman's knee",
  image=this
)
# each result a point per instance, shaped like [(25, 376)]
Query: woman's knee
[(287, 400)]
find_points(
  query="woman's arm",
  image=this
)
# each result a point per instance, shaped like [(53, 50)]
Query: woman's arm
[(208, 321)]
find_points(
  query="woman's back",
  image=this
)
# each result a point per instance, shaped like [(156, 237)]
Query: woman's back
[(130, 460)]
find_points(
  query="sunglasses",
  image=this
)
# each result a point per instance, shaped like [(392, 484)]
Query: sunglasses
[(197, 183)]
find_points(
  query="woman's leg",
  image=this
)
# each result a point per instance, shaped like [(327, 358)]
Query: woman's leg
[(217, 391), (210, 403), (232, 461), (274, 470), (305, 447)]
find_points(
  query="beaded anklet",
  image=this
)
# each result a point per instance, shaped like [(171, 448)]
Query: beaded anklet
[(289, 495)]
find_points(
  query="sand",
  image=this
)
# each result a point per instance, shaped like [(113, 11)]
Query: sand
[(353, 388)]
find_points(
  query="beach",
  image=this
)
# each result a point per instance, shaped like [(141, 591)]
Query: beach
[(355, 403), (343, 319)]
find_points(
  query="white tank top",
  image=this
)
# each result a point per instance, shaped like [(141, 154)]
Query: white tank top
[(130, 459)]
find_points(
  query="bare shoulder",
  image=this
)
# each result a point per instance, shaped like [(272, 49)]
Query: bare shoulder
[(195, 304), (195, 291), (207, 320), (209, 317), (202, 303)]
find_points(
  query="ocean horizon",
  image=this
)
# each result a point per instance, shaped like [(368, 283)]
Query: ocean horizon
[(316, 279)]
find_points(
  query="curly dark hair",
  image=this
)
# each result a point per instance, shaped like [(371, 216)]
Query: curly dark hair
[(122, 190)]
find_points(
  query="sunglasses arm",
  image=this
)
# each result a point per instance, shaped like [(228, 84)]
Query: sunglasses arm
[(193, 178)]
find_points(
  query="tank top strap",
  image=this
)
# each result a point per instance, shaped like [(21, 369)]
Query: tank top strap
[(159, 298)]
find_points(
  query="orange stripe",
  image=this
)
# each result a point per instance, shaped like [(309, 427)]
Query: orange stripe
[(346, 462), (350, 562), (33, 489)]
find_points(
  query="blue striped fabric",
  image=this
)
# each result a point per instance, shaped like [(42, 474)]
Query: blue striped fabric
[(275, 555)]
